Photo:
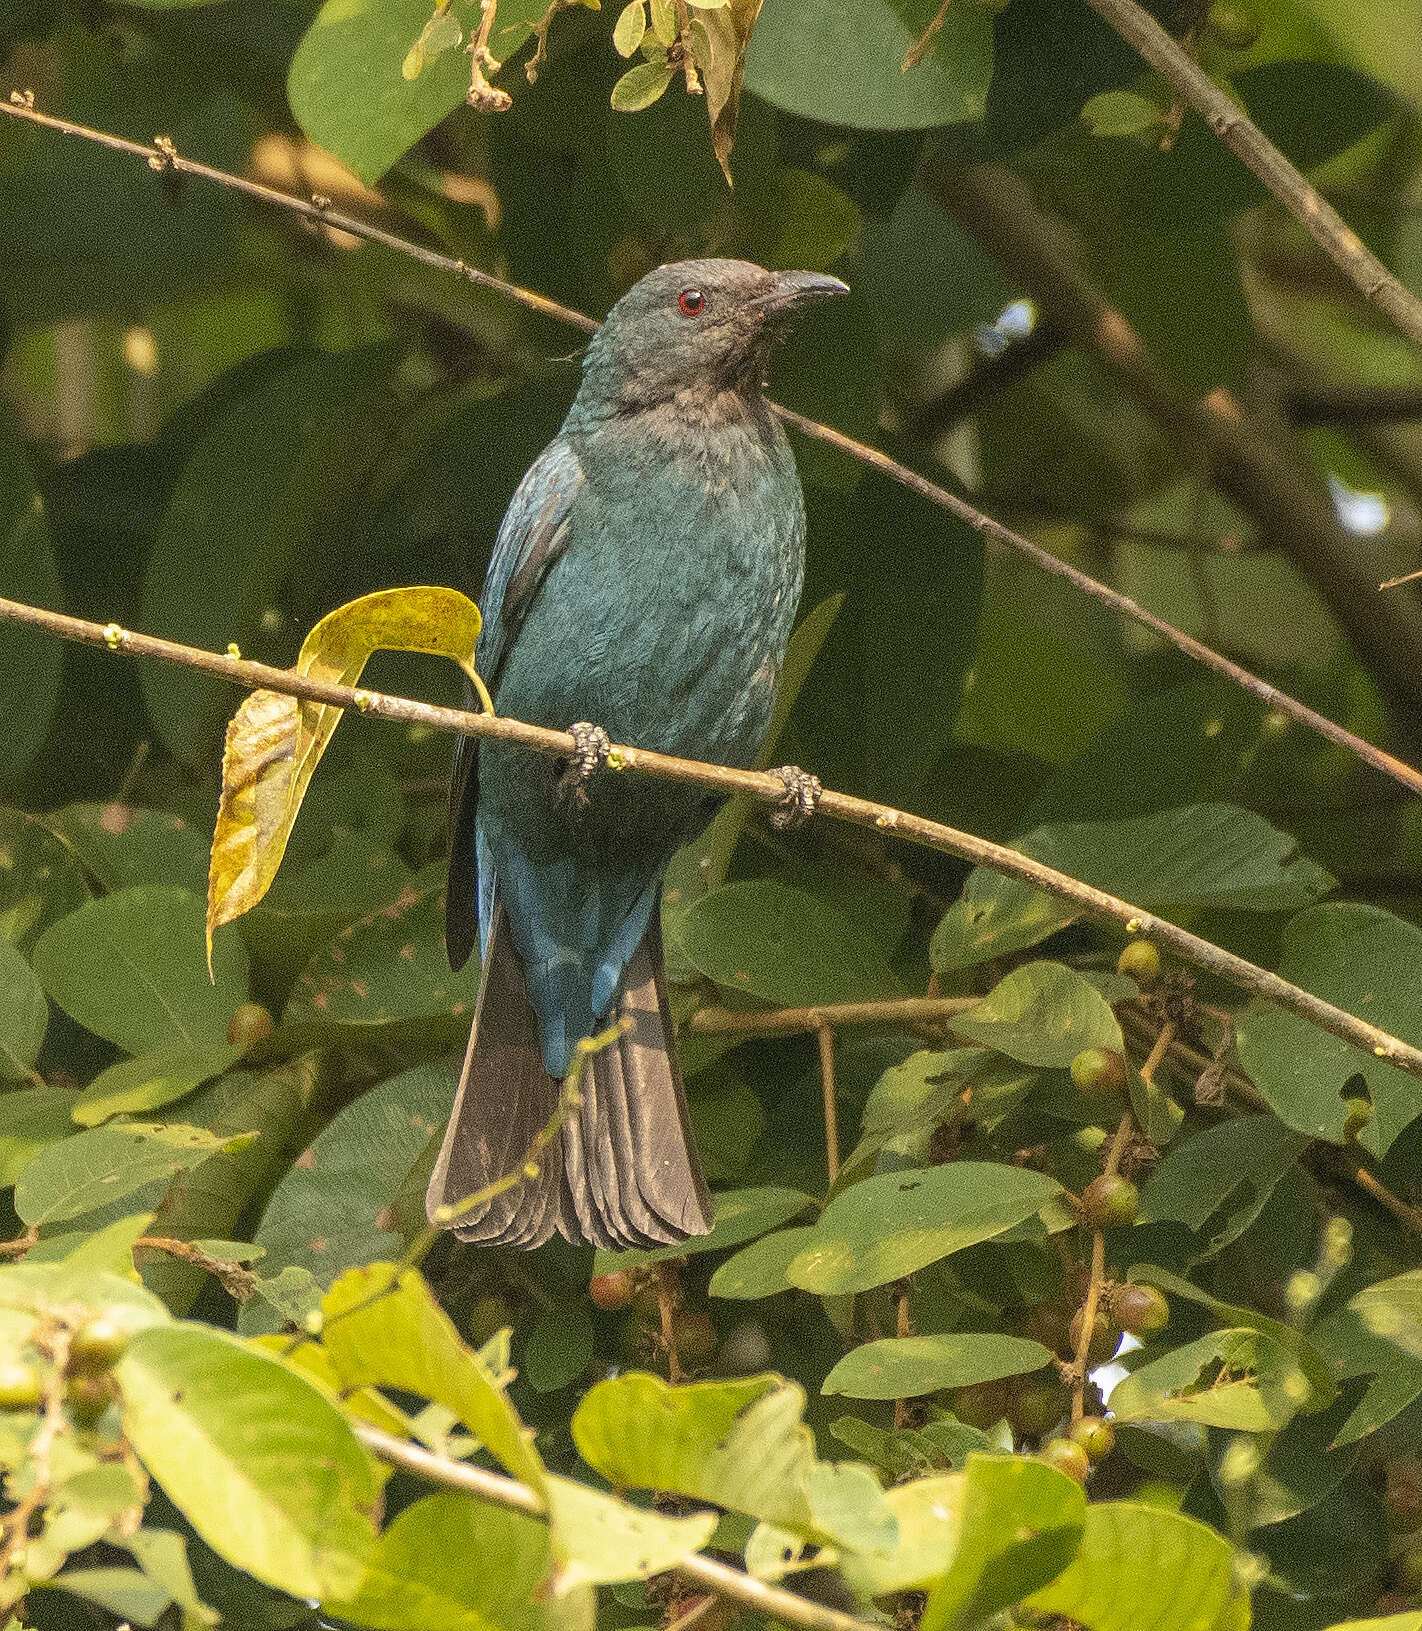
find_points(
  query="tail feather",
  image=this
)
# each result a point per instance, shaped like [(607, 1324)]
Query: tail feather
[(624, 1172)]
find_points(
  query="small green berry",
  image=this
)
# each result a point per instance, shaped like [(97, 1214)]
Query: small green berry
[(490, 1314), (1111, 1202), (1233, 25), (19, 1385), (1141, 1310), (97, 1346), (1141, 961), (1095, 1435), (1408, 1568), (250, 1024), (1066, 1456), (1101, 1072), (1036, 1408), (88, 1397), (981, 1404)]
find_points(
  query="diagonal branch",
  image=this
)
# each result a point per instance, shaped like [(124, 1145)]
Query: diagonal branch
[(764, 786), (766, 1601), (161, 155), (1237, 131)]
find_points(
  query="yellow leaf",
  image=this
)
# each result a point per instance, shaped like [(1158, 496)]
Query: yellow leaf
[(275, 741), (728, 27)]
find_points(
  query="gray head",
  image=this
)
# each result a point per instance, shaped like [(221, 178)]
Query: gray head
[(693, 331)]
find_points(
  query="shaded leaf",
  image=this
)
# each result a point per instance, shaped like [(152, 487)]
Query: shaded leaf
[(728, 35), (741, 1214), (891, 1225), (759, 1270), (152, 1079), (1237, 1162), (130, 968), (40, 878), (24, 1015), (274, 741), (30, 660), (129, 1593), (122, 844), (902, 1367), (258, 1460), (559, 1349)]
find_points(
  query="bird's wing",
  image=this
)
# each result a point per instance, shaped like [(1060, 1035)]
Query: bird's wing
[(532, 535)]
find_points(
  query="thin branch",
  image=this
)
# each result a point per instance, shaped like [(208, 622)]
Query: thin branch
[(163, 156), (1307, 403), (924, 43), (891, 1014), (1081, 1360), (1266, 480), (481, 95), (824, 1036), (771, 1602), (1244, 138), (764, 786)]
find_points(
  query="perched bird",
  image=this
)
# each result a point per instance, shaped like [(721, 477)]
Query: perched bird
[(645, 579)]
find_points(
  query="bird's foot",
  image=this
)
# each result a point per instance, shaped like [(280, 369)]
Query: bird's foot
[(802, 797), (590, 752)]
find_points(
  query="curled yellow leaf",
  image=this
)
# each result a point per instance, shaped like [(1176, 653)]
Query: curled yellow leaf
[(274, 741)]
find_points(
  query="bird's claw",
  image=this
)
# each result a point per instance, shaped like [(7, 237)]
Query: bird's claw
[(591, 748), (802, 797)]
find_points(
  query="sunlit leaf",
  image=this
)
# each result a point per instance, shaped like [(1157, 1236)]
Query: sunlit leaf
[(152, 1079), (1042, 1014), (901, 1367)]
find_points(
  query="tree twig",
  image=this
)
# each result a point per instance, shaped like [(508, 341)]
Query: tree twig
[(165, 156), (824, 1037), (764, 786), (889, 1014), (771, 1602), (1237, 131)]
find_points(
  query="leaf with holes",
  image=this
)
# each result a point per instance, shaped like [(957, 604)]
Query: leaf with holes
[(1042, 1014)]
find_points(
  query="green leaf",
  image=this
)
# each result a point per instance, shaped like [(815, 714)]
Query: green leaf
[(420, 1573), (1019, 1524), (1358, 958), (387, 966), (1237, 1162), (259, 1461), (24, 1015), (163, 1557), (30, 1121), (347, 90), (783, 945), (631, 25), (903, 1367), (388, 1331), (1202, 855), (1240, 1379), (1392, 1309), (927, 1513), (129, 1593), (121, 844), (109, 1248), (600, 1540), (132, 967), (1042, 1014), (152, 1079), (1351, 1349), (40, 878), (841, 62), (96, 1168), (759, 1270), (741, 1445), (639, 87), (898, 1222), (559, 1349), (29, 659), (334, 1207), (1132, 1555), (741, 1214)]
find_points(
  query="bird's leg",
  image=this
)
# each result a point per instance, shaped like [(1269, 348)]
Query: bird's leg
[(590, 752), (802, 797)]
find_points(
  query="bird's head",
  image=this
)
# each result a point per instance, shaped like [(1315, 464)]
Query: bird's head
[(694, 331)]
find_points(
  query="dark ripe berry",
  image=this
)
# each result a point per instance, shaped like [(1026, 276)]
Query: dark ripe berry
[(19, 1385), (1036, 1408), (1111, 1201), (88, 1397), (1095, 1436), (1049, 1325), (982, 1404), (694, 1336), (490, 1314), (611, 1291), (1100, 1072), (1141, 1310), (1104, 1336), (97, 1346), (1067, 1457), (1360, 1113), (1403, 1497), (1233, 25), (250, 1024), (1141, 961)]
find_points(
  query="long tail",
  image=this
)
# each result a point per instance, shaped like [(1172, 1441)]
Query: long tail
[(624, 1172)]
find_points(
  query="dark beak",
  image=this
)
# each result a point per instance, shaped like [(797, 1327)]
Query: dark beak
[(794, 289)]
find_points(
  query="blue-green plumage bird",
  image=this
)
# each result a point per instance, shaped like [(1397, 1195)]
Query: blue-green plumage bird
[(644, 579)]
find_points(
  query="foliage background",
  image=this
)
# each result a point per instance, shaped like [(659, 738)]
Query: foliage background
[(217, 425)]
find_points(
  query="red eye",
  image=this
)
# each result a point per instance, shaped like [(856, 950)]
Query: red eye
[(692, 302)]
